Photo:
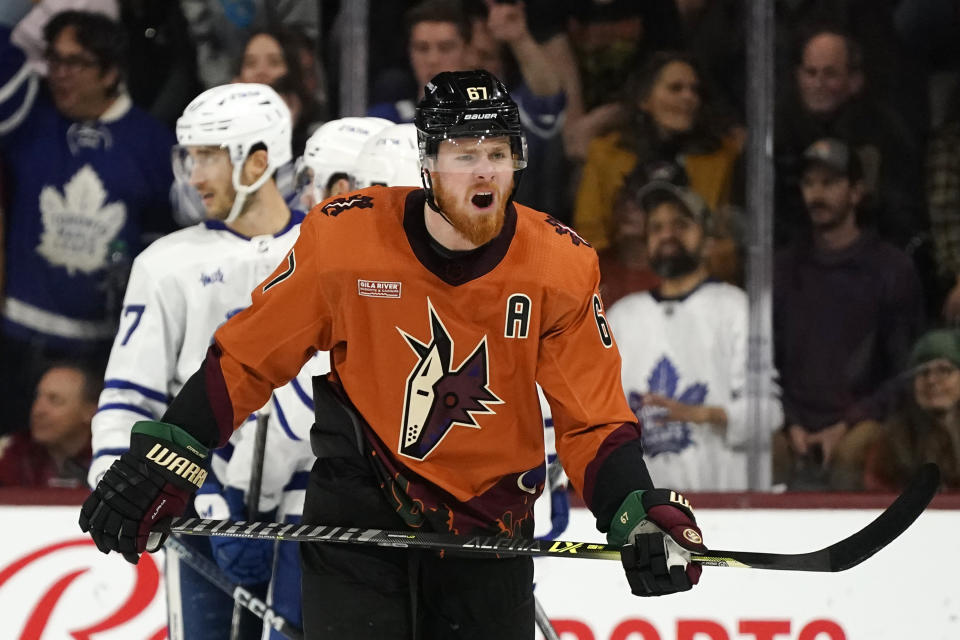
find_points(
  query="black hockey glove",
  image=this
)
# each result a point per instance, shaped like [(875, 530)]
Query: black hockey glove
[(656, 531), (131, 507)]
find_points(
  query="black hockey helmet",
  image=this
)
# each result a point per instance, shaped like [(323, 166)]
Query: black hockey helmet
[(460, 104)]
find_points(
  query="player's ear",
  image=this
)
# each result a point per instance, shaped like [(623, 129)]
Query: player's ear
[(339, 187), (254, 166)]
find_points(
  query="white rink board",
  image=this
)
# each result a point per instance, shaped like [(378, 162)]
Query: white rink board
[(55, 583), (907, 591)]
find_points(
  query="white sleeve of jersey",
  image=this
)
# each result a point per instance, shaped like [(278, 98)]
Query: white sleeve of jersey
[(287, 457), (556, 478), (141, 366), (739, 428)]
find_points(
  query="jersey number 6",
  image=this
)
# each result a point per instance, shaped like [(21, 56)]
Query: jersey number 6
[(602, 325)]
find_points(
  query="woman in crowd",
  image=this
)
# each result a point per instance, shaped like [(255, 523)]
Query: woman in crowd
[(925, 425), (282, 59), (670, 123)]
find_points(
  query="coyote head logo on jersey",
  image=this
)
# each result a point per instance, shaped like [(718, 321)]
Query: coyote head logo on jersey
[(439, 396)]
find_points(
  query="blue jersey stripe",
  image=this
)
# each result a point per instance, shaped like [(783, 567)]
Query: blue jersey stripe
[(298, 482), (283, 420), (146, 392), (110, 452), (303, 395), (123, 406)]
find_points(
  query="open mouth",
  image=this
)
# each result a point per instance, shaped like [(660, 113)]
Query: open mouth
[(482, 200)]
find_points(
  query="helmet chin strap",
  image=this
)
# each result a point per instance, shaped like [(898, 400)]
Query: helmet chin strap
[(428, 189), (243, 191)]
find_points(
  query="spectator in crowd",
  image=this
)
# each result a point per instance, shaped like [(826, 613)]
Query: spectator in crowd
[(925, 423), (831, 101), (714, 33), (892, 66), (275, 57), (221, 30), (943, 198), (608, 39), (438, 33), (684, 351), (625, 265), (502, 44), (161, 59), (846, 308), (89, 176), (670, 123), (55, 452)]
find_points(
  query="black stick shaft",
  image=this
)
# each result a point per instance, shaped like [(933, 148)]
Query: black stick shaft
[(840, 556)]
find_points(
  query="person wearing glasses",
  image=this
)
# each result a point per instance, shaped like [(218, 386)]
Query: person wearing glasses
[(89, 176), (925, 423)]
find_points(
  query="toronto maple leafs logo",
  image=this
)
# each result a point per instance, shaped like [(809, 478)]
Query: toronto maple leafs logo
[(439, 396), (79, 225), (660, 436)]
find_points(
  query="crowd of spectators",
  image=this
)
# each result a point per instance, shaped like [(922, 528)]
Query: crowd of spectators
[(615, 96)]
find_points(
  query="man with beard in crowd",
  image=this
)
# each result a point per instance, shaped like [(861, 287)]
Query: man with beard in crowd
[(684, 349), (847, 307)]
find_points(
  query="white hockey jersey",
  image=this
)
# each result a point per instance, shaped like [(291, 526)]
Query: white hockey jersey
[(181, 288), (288, 457), (693, 350)]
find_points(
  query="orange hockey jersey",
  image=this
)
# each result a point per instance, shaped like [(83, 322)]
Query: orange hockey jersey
[(439, 354)]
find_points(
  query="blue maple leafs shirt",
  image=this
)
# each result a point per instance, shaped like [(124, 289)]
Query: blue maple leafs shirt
[(693, 350), (668, 436), (84, 199)]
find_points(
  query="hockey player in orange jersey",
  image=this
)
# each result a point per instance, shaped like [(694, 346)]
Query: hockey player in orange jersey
[(441, 308)]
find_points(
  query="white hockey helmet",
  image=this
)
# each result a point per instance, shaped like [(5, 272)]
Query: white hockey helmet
[(236, 117), (333, 148), (390, 158)]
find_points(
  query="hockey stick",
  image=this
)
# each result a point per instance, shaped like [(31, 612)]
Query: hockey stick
[(840, 556), (253, 502), (241, 596)]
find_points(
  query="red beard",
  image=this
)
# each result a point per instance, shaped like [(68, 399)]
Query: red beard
[(478, 228)]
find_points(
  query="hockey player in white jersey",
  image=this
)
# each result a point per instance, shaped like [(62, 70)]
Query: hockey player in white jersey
[(684, 350), (329, 157), (390, 158), (181, 289)]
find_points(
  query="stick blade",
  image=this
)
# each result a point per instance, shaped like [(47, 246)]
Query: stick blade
[(851, 551), (890, 524)]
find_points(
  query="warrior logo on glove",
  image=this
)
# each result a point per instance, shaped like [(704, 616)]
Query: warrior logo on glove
[(189, 471)]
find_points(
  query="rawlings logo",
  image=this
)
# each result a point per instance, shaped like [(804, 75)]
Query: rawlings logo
[(335, 207)]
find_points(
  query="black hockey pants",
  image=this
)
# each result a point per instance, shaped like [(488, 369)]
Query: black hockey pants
[(376, 593)]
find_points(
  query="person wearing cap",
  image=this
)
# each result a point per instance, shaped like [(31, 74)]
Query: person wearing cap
[(925, 425), (684, 350), (833, 97), (846, 308), (624, 265)]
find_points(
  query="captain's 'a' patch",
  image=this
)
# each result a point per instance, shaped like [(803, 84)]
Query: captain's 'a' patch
[(439, 396)]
